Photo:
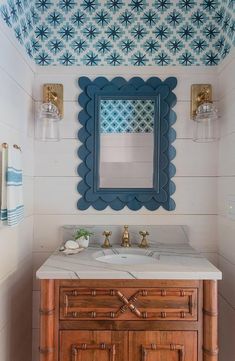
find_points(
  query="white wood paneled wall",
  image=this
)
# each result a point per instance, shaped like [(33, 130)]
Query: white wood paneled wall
[(50, 181), (56, 175), (16, 126), (226, 225), (55, 164)]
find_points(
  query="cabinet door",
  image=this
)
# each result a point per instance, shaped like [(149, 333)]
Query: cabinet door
[(163, 346), (93, 346)]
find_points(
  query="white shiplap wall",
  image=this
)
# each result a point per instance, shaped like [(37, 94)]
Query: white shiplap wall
[(56, 178), (226, 225), (16, 126)]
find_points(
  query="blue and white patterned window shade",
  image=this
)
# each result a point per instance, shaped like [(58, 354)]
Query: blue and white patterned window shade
[(127, 115)]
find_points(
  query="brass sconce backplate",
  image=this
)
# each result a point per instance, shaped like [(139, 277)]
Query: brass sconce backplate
[(54, 93), (200, 93)]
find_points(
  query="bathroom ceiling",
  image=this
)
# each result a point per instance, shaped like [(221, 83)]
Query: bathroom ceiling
[(123, 32)]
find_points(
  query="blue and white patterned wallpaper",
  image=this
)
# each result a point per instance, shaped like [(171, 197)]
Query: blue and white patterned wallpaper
[(123, 32), (21, 17), (226, 21)]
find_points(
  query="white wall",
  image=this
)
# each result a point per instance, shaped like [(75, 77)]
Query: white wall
[(56, 177), (16, 126), (226, 225)]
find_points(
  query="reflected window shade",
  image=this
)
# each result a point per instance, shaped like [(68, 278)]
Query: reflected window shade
[(127, 115), (126, 160)]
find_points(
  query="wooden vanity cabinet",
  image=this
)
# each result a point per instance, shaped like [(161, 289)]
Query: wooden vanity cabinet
[(128, 320), (93, 345), (124, 345)]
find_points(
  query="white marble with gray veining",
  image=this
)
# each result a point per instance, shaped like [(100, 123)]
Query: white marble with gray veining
[(166, 234), (173, 261)]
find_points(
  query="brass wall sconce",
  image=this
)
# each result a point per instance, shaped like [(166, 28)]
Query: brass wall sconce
[(54, 93), (51, 112), (204, 113)]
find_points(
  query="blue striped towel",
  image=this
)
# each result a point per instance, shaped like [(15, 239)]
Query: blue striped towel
[(12, 208)]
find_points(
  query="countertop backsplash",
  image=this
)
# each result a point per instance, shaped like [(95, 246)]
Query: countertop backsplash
[(157, 234)]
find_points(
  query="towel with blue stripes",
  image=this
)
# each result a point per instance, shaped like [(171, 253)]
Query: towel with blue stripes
[(12, 207)]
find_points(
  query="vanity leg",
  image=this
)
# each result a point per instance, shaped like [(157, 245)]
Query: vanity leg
[(210, 321), (47, 321)]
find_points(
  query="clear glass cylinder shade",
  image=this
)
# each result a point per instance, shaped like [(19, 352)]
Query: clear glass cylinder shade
[(48, 123), (206, 123)]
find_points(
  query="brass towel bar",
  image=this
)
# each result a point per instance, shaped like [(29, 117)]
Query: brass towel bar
[(5, 145)]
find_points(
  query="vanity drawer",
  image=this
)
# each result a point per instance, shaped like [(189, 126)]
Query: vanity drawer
[(128, 303)]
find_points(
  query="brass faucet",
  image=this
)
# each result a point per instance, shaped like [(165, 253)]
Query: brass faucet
[(144, 242), (126, 238), (106, 243)]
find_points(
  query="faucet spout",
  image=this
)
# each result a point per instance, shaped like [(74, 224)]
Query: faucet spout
[(126, 238)]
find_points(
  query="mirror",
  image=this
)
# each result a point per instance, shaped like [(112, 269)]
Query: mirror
[(126, 137), (126, 142)]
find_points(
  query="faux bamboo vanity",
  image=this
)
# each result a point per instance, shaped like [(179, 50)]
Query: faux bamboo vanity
[(86, 318)]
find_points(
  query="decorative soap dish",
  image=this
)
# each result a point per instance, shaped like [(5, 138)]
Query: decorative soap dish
[(71, 247)]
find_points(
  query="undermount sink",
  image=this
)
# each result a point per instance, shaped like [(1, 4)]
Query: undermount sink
[(126, 259)]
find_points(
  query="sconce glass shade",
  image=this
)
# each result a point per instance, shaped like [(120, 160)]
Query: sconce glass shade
[(206, 127), (48, 123)]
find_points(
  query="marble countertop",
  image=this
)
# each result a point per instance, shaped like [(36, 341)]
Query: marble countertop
[(173, 261)]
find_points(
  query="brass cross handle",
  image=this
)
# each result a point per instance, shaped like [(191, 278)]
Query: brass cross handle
[(144, 241), (106, 243)]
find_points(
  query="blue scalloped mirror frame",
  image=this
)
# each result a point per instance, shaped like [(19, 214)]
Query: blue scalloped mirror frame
[(164, 152)]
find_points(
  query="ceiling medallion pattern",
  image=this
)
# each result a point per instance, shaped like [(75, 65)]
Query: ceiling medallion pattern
[(118, 32)]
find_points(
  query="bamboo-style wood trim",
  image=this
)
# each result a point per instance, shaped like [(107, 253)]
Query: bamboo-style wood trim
[(200, 322), (52, 306), (77, 348), (46, 350), (68, 294), (208, 313), (211, 353), (128, 304), (46, 312), (169, 347), (126, 325), (210, 321), (130, 283), (86, 291), (47, 321), (57, 319)]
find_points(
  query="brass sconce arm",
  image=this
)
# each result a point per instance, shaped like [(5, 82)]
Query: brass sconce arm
[(53, 93), (200, 94)]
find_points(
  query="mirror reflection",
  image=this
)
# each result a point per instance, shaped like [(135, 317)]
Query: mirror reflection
[(126, 142)]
